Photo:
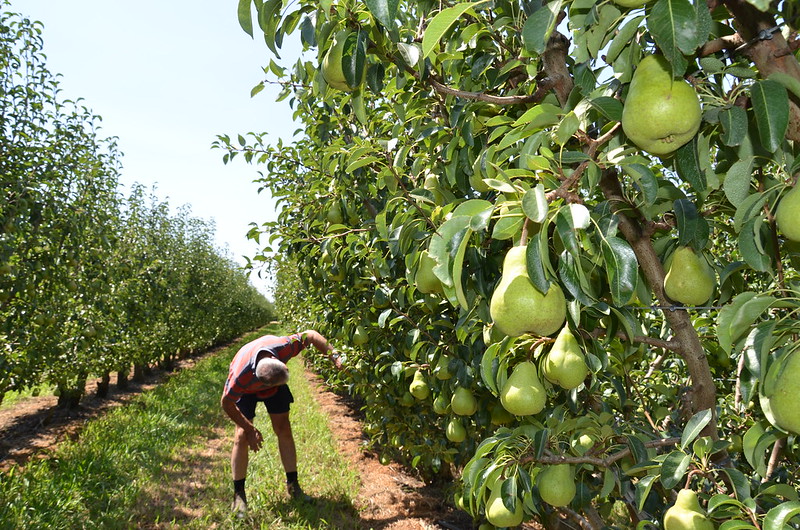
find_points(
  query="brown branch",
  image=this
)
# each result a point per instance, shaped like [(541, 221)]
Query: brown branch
[(774, 458), (685, 335), (728, 42)]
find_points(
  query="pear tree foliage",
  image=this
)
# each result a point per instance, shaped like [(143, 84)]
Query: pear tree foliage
[(437, 136)]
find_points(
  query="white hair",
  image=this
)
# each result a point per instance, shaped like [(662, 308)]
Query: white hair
[(271, 371)]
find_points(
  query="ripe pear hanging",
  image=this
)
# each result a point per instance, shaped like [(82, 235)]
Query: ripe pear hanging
[(686, 514), (787, 216), (565, 364), (496, 511), (557, 485), (689, 279), (523, 393), (779, 392), (518, 307)]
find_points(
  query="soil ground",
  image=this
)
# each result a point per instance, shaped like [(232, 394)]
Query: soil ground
[(390, 497)]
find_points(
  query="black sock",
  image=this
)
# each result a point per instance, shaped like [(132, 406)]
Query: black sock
[(238, 488), (291, 476)]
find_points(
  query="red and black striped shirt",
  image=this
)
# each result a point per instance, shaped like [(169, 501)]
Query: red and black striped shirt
[(242, 374)]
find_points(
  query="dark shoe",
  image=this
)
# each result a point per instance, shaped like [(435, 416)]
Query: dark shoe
[(239, 506), (296, 493)]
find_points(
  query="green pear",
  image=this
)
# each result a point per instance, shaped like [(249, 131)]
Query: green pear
[(500, 416), (780, 389), (689, 279), (661, 112), (441, 405), (334, 214), (523, 393), (442, 370), (455, 431), (787, 216), (425, 280), (496, 511), (419, 387), (463, 402), (407, 399), (564, 364), (686, 514), (360, 336), (557, 485), (517, 307), (332, 63)]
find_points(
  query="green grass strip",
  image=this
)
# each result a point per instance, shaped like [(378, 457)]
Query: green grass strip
[(163, 462)]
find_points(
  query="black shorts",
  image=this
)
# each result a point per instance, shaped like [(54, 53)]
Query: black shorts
[(276, 404)]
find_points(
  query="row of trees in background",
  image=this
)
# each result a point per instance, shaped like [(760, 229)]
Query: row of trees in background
[(440, 135), (90, 281)]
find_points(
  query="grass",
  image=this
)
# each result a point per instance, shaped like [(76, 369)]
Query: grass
[(163, 462), (13, 397)]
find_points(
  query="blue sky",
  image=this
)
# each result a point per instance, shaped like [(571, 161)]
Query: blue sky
[(167, 76)]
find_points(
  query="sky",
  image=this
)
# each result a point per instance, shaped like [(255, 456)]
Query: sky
[(168, 76)]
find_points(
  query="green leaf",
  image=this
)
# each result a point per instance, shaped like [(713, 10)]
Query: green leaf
[(534, 261), (621, 269), (693, 229), (609, 107), (245, 16), (789, 82), (734, 320), (751, 245), (645, 179), (539, 27), (737, 180), (674, 468), (441, 23), (694, 426), (771, 107), (687, 163), (534, 204), (268, 20), (623, 38), (778, 517), (384, 10), (748, 209), (643, 488), (734, 125), (673, 24)]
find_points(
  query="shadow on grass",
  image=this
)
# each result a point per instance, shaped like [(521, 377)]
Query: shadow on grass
[(320, 512)]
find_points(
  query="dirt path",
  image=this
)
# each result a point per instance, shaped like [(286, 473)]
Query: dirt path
[(390, 498)]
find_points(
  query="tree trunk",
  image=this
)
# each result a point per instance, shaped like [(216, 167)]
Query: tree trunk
[(122, 379), (770, 54), (103, 384), (704, 394), (138, 373)]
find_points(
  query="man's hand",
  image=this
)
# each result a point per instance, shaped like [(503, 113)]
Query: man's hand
[(254, 439), (336, 359)]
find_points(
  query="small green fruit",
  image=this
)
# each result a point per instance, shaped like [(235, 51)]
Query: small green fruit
[(334, 214), (441, 405), (419, 387), (332, 69), (442, 370), (583, 444), (689, 279), (407, 399), (787, 216), (780, 391), (496, 511), (518, 307), (425, 280), (360, 336), (686, 514), (564, 364), (557, 485), (455, 431), (500, 416), (523, 393), (463, 402), (661, 112)]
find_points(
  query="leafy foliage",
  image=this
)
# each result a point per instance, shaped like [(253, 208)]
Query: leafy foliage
[(481, 125), (91, 282)]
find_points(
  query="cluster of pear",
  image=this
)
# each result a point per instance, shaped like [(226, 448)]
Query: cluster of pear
[(661, 112), (556, 485), (524, 394)]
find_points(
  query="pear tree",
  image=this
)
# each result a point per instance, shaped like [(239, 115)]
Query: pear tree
[(620, 171)]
